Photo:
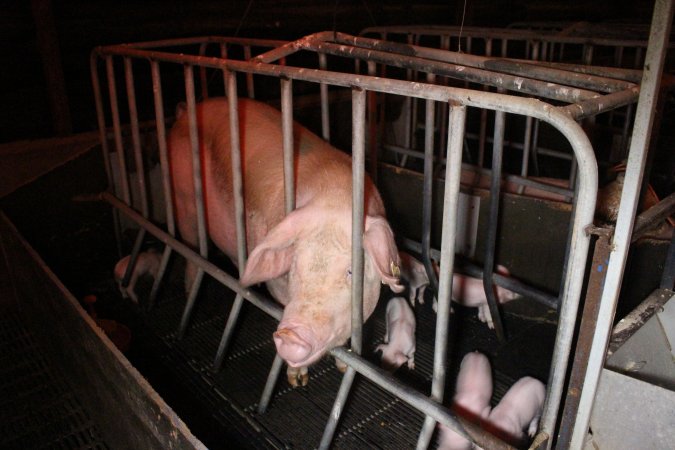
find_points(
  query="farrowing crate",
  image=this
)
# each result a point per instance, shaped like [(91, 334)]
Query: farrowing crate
[(571, 96)]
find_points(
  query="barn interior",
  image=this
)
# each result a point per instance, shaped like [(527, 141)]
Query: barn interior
[(61, 239)]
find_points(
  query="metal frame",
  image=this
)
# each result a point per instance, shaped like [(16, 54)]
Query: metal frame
[(548, 47), (582, 104)]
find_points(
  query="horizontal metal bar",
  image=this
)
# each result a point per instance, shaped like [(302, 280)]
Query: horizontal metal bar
[(475, 271), (266, 305), (419, 401), (507, 33), (208, 40), (488, 100), (657, 213)]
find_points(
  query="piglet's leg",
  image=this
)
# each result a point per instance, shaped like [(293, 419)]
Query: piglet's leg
[(297, 376)]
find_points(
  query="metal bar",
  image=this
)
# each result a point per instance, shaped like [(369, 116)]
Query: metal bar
[(199, 195), (457, 120), (100, 117), (267, 306), (518, 105), (117, 130), (491, 240), (249, 76), (239, 214), (418, 401), (359, 100), (202, 72), (336, 411), (325, 107), (657, 213), (668, 278), (272, 378), (427, 190), (166, 176), (372, 126), (589, 318), (140, 169), (289, 195), (475, 271), (527, 146), (654, 61)]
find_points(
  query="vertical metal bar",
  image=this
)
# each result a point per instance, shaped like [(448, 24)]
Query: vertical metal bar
[(249, 76), (272, 378), (289, 195), (588, 54), (325, 110), (527, 146), (100, 116), (239, 212), (490, 246), (336, 411), (372, 126), (654, 61), (202, 72), (359, 99), (427, 190), (199, 195), (535, 147), (140, 169), (166, 176), (226, 73), (482, 134), (358, 182), (117, 130), (589, 318), (453, 173)]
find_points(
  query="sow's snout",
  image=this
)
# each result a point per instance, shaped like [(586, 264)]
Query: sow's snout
[(293, 346)]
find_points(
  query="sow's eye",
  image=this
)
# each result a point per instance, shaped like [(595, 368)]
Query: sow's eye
[(349, 274)]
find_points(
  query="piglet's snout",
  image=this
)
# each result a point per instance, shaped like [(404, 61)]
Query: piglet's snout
[(291, 347)]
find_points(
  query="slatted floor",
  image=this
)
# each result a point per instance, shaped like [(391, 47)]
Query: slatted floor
[(39, 408), (296, 418)]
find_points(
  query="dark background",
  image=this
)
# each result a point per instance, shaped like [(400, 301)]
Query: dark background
[(80, 25)]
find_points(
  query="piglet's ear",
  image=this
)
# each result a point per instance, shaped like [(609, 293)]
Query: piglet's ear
[(273, 256), (378, 241)]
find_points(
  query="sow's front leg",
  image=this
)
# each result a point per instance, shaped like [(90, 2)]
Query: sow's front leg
[(297, 376)]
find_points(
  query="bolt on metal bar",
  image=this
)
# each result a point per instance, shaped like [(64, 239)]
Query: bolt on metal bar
[(495, 197), (166, 176), (359, 101), (427, 190), (457, 120), (199, 195)]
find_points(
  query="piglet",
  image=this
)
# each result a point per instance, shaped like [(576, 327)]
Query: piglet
[(414, 273), (469, 291), (399, 340), (146, 264), (473, 392), (519, 409)]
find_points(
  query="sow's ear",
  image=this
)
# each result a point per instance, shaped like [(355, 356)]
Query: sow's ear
[(272, 257), (378, 241)]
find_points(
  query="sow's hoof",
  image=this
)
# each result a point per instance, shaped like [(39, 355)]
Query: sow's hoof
[(297, 376)]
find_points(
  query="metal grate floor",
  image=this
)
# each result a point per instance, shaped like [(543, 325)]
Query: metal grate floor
[(38, 407), (296, 418)]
